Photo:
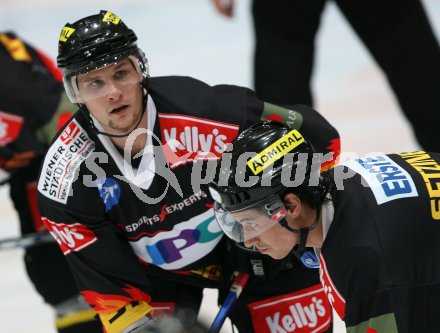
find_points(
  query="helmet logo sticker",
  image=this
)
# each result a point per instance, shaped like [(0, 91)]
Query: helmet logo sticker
[(275, 151), (276, 210), (112, 18), (65, 33), (279, 215)]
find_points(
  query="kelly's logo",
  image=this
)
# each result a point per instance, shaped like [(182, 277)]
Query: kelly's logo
[(305, 311), (187, 138), (70, 237)]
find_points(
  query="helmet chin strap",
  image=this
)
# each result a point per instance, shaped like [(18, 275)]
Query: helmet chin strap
[(308, 259)]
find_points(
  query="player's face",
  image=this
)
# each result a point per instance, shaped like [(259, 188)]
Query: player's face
[(268, 237), (113, 95)]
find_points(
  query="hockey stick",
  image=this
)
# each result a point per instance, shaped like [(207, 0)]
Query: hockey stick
[(237, 286), (26, 241)]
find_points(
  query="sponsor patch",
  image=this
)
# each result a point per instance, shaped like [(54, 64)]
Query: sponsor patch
[(304, 311), (337, 301), (109, 191), (10, 127), (165, 210), (70, 132), (62, 161), (70, 237), (310, 260), (430, 172), (187, 138), (275, 151), (387, 180), (186, 243)]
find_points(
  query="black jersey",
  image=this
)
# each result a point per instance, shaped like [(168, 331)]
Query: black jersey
[(31, 91), (380, 261), (117, 223), (32, 108)]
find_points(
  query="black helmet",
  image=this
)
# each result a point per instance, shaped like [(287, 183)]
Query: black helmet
[(257, 171), (94, 42), (252, 167)]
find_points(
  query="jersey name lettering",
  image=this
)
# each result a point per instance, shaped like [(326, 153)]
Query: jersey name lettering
[(430, 172)]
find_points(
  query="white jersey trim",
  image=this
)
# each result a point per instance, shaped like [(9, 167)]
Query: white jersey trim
[(147, 166)]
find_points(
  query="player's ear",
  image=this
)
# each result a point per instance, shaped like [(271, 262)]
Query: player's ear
[(293, 204)]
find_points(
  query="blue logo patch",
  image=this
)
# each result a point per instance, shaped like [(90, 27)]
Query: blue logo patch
[(386, 179), (310, 260), (109, 191)]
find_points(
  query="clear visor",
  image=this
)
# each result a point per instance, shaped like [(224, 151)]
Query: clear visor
[(245, 224), (104, 80)]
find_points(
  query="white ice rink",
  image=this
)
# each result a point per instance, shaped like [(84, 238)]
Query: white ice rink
[(187, 37)]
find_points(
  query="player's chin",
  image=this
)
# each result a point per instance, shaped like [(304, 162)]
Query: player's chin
[(276, 254)]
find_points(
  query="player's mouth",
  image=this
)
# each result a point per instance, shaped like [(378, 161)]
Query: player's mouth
[(119, 110)]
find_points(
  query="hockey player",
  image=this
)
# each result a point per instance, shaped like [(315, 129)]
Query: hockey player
[(33, 106), (123, 191), (373, 222)]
